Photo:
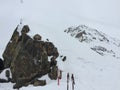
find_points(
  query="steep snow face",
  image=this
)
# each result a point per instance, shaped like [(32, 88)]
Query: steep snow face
[(98, 41)]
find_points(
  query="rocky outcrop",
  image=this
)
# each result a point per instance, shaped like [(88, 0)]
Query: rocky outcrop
[(27, 57), (53, 73), (98, 41), (9, 52), (86, 34), (39, 83), (103, 51), (1, 65)]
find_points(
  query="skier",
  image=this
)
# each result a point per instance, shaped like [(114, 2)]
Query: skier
[(73, 81)]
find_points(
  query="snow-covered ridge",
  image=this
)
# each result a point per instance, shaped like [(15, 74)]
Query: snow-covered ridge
[(98, 41), (86, 34)]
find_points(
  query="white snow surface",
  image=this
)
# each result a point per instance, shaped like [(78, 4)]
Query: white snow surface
[(91, 70)]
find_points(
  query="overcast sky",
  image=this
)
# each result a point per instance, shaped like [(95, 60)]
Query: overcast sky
[(103, 15)]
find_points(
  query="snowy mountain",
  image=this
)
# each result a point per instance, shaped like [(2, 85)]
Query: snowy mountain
[(101, 43), (91, 70), (94, 58)]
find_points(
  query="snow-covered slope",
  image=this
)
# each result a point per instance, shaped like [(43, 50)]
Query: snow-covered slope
[(98, 41), (91, 70)]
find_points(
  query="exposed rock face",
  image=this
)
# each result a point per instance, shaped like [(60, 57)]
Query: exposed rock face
[(9, 52), (53, 73), (102, 51), (86, 34), (39, 83), (1, 65), (37, 37), (28, 58), (98, 41), (25, 29)]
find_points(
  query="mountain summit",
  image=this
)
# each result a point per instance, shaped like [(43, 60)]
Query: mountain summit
[(98, 41)]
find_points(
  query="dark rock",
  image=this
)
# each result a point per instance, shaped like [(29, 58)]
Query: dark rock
[(39, 83), (1, 65), (102, 50), (51, 50), (7, 73), (53, 63), (3, 81), (9, 52), (47, 39), (27, 58), (28, 64), (61, 56), (20, 83), (64, 58), (80, 35), (37, 37), (25, 29), (53, 73)]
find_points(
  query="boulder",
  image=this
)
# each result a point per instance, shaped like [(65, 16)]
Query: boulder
[(53, 73), (1, 65), (37, 37), (30, 61), (51, 50), (25, 29), (39, 83), (27, 58)]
